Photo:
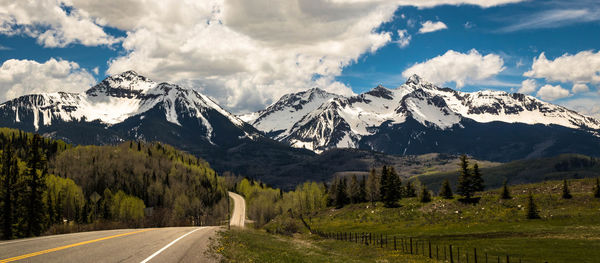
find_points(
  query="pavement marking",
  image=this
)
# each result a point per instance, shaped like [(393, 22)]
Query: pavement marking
[(68, 246), (167, 246)]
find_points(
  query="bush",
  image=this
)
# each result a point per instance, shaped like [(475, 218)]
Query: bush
[(285, 225)]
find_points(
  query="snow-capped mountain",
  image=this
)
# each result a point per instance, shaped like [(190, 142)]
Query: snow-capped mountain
[(368, 120), (278, 119), (125, 99)]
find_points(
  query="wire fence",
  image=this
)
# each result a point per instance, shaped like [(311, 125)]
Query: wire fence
[(434, 250)]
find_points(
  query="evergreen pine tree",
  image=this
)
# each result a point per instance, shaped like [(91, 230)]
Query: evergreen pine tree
[(332, 192), (477, 179), (409, 190), (425, 195), (341, 198), (465, 180), (363, 190), (532, 212), (446, 191), (35, 187), (597, 188), (10, 171), (392, 187), (566, 193), (505, 192)]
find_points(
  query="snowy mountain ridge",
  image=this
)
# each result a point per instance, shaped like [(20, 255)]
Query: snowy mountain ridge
[(116, 99), (318, 120)]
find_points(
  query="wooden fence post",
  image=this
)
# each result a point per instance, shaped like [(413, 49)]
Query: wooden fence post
[(395, 243), (507, 259), (429, 241), (475, 254), (451, 257), (458, 254), (411, 251)]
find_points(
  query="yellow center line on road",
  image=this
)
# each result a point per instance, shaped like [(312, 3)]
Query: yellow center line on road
[(68, 246)]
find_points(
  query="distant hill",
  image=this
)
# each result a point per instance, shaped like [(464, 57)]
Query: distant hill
[(565, 166)]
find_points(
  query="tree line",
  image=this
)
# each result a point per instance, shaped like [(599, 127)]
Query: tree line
[(45, 184)]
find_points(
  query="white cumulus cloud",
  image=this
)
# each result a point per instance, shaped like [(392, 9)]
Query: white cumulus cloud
[(50, 24), (528, 86), (21, 77), (550, 92), (580, 88), (583, 67), (588, 106), (461, 68), (245, 54), (403, 38), (430, 26)]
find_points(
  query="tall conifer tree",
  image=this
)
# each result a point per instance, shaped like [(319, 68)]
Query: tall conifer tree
[(532, 212), (446, 191), (505, 192), (35, 187), (10, 172), (566, 193), (465, 179)]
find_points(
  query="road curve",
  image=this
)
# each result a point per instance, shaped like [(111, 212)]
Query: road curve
[(239, 210)]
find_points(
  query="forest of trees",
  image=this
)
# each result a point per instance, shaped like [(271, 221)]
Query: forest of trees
[(265, 203), (48, 184), (380, 185)]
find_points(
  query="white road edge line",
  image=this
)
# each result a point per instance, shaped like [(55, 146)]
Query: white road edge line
[(170, 244)]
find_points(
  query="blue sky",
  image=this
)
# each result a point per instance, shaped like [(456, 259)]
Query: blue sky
[(245, 57)]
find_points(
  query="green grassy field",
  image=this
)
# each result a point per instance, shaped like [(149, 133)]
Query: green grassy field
[(569, 230), (251, 245)]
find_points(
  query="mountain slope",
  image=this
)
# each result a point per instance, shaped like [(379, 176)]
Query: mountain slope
[(128, 106), (277, 119), (419, 117), (121, 105)]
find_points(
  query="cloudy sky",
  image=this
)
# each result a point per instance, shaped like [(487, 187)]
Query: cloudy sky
[(246, 54)]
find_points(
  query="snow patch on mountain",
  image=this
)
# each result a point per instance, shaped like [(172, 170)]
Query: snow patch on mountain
[(281, 116), (116, 99), (331, 121)]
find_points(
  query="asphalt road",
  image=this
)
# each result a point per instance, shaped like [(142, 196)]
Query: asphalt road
[(171, 244), (239, 210)]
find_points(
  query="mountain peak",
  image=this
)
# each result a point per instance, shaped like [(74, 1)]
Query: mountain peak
[(316, 89), (414, 79), (129, 81), (381, 92)]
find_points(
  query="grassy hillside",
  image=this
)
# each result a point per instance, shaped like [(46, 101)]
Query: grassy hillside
[(570, 166), (567, 232)]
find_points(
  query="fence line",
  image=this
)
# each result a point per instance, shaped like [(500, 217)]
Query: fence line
[(408, 245)]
